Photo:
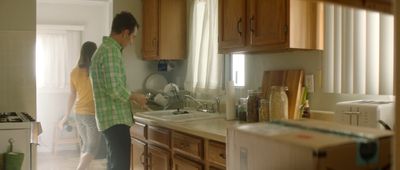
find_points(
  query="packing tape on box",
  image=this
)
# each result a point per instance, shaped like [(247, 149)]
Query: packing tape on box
[(367, 148)]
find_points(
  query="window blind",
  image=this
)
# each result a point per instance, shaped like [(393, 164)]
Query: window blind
[(359, 50)]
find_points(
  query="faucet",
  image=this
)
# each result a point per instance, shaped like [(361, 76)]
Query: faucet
[(200, 106)]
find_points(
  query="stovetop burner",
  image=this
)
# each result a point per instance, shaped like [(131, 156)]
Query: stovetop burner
[(11, 117)]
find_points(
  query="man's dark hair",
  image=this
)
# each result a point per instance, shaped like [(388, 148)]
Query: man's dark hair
[(87, 51), (124, 20)]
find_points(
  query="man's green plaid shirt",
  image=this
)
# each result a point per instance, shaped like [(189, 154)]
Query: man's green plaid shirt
[(111, 95)]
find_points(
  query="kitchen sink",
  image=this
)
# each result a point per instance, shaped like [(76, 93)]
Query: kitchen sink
[(178, 116)]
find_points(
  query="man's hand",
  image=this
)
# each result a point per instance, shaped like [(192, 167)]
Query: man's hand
[(139, 99)]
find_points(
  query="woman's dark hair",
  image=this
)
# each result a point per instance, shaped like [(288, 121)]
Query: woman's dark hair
[(124, 20), (87, 51)]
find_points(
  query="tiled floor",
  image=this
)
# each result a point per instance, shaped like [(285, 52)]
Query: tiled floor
[(65, 160)]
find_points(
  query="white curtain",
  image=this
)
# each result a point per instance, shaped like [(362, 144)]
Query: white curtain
[(205, 66), (358, 56), (57, 52)]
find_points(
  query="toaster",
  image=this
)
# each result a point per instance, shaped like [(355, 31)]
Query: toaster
[(366, 113)]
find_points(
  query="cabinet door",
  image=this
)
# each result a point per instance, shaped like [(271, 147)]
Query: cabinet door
[(172, 44), (232, 24), (268, 22), (138, 155), (150, 29), (181, 163), (159, 159)]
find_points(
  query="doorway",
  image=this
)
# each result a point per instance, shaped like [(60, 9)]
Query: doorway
[(60, 35)]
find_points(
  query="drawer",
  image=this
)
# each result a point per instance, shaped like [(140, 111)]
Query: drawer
[(187, 144), (217, 153), (138, 131), (159, 136)]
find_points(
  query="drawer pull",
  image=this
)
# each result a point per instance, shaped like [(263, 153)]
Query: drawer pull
[(183, 145), (142, 159), (150, 161), (222, 155)]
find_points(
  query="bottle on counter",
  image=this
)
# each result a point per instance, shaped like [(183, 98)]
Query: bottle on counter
[(278, 103), (263, 111), (252, 106), (306, 110), (242, 109), (230, 109)]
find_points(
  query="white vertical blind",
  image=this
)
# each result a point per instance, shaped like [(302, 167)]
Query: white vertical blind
[(338, 48), (359, 53), (386, 54), (329, 49), (372, 55)]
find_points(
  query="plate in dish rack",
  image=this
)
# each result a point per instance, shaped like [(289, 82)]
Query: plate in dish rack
[(155, 83)]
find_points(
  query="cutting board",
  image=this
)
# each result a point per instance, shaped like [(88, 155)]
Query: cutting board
[(293, 79)]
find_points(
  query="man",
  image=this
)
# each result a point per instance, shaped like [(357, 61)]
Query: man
[(111, 95)]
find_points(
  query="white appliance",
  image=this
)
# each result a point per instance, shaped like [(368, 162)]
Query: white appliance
[(366, 113), (23, 130)]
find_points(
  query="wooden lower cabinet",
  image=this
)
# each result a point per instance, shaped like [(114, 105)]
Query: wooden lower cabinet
[(158, 159), (215, 168), (181, 163), (158, 148), (138, 155)]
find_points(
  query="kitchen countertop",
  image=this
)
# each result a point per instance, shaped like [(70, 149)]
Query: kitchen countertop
[(214, 129)]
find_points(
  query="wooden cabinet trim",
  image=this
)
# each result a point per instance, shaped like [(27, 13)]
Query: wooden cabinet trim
[(216, 153), (139, 131), (181, 163), (138, 154), (159, 136), (158, 158), (188, 144)]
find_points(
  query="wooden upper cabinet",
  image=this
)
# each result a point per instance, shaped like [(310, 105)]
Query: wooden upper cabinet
[(274, 25), (267, 22), (150, 29), (232, 23), (164, 29)]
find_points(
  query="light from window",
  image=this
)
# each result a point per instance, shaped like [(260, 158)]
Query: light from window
[(238, 69)]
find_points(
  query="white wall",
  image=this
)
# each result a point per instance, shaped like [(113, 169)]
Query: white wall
[(94, 16), (17, 56)]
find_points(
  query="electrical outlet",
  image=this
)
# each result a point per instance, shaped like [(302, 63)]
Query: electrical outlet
[(310, 83)]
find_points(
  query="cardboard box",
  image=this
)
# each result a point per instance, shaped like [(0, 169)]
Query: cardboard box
[(307, 145)]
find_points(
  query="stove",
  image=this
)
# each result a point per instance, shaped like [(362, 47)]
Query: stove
[(24, 130), (11, 117)]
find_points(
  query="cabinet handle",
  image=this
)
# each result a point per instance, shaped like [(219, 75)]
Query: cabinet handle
[(184, 145), (149, 159), (252, 24), (286, 29), (222, 155), (142, 159), (239, 23), (155, 43)]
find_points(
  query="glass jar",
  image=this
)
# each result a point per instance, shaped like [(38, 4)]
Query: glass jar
[(252, 106), (278, 103), (263, 115), (242, 109)]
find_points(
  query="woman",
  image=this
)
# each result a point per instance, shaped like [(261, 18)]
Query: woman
[(81, 97)]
